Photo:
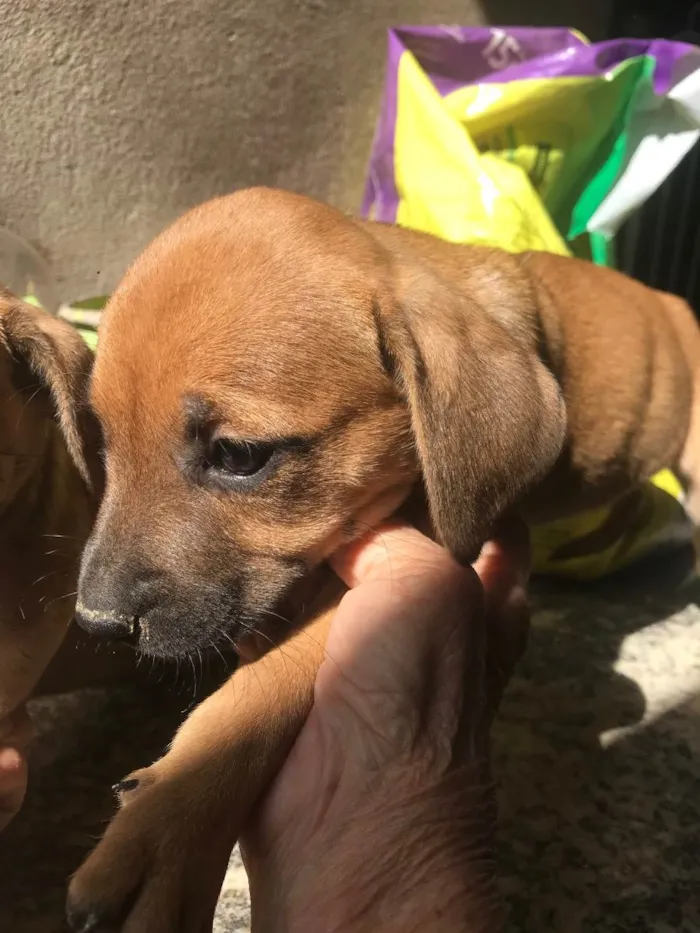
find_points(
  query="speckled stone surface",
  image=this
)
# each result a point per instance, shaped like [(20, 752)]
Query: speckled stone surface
[(597, 752)]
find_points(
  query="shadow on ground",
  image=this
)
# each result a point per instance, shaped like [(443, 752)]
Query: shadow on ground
[(605, 838)]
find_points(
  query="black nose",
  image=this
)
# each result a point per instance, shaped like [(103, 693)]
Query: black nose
[(106, 624), (118, 587)]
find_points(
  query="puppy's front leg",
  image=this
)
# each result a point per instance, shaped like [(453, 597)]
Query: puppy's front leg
[(160, 866)]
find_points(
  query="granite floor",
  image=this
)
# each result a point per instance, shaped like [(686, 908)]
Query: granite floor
[(597, 753)]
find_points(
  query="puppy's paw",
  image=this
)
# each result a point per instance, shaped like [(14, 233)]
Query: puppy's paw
[(160, 866)]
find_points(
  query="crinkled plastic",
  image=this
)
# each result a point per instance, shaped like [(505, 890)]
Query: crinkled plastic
[(528, 138)]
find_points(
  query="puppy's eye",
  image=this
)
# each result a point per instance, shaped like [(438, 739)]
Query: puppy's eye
[(239, 458)]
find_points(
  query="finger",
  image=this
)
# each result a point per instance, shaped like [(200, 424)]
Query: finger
[(393, 548), (503, 567), (406, 596), (13, 783), (413, 617), (17, 733), (506, 557)]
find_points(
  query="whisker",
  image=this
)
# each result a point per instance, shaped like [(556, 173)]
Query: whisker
[(218, 651), (45, 577), (276, 615), (56, 598), (194, 676), (201, 667), (36, 385), (24, 407)]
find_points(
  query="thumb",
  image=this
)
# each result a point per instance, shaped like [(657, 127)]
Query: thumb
[(392, 550), (407, 599)]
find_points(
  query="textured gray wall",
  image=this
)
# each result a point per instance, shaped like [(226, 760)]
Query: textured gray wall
[(117, 115)]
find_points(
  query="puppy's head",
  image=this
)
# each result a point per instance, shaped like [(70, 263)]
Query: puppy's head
[(272, 379)]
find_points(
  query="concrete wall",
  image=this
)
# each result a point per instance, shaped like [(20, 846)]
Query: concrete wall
[(117, 115)]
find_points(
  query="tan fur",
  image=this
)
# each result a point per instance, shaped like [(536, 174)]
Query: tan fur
[(528, 383)]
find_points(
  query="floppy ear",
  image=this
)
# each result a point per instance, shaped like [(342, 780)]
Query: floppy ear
[(488, 417), (56, 355)]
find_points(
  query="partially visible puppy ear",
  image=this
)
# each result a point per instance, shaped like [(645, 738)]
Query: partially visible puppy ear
[(55, 354), (488, 417)]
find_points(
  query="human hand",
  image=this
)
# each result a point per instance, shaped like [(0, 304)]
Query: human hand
[(382, 817)]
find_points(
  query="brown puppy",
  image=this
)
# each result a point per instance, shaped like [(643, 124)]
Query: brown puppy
[(272, 378), (46, 503), (46, 506)]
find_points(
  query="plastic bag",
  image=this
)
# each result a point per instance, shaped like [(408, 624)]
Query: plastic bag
[(528, 138)]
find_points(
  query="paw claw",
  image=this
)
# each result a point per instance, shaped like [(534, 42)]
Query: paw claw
[(133, 785), (124, 786), (85, 921)]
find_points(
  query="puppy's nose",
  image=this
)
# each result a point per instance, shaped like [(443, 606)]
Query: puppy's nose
[(105, 624), (118, 587)]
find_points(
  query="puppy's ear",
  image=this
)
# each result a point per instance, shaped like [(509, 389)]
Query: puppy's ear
[(56, 355), (487, 416)]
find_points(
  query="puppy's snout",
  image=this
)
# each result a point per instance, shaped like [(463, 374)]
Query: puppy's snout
[(115, 595)]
